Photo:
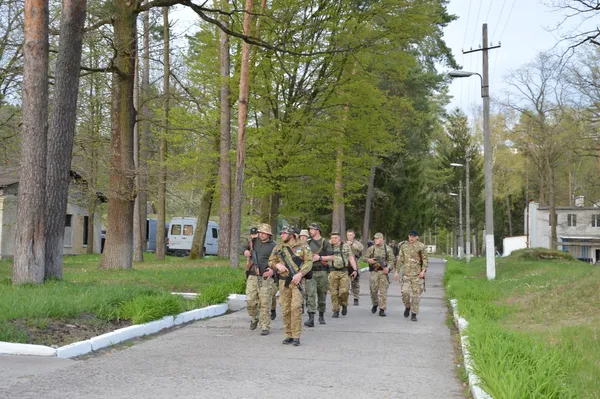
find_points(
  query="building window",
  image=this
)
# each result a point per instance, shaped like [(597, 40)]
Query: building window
[(572, 220), (68, 236), (188, 230), (68, 220), (596, 220), (86, 221)]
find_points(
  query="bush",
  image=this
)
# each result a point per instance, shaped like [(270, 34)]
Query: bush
[(540, 253)]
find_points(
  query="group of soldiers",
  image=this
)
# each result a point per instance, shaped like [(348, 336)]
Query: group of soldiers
[(304, 266)]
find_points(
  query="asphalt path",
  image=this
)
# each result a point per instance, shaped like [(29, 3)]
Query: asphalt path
[(360, 355)]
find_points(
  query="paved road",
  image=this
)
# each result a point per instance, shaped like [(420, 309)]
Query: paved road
[(387, 357)]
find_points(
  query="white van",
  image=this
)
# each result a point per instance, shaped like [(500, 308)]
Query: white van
[(181, 235)]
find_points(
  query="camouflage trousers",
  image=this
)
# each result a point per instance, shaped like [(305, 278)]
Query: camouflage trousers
[(412, 288), (379, 287), (274, 296), (355, 285), (258, 300), (290, 300), (316, 291), (338, 288)]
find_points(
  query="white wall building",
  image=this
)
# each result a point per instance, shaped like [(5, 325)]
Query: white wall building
[(577, 229)]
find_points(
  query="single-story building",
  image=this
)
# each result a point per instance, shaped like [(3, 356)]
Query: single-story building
[(76, 238), (577, 230)]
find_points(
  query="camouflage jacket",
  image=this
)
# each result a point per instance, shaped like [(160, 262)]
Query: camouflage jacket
[(342, 251), (409, 259), (356, 247), (302, 255), (384, 252)]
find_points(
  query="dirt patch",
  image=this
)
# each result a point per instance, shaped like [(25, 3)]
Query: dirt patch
[(58, 332)]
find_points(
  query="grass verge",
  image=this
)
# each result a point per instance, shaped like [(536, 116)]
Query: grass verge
[(89, 301), (534, 331)]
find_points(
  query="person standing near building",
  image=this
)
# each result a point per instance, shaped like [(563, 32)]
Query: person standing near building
[(338, 277), (292, 260), (380, 259), (357, 248), (412, 263), (317, 285), (260, 282)]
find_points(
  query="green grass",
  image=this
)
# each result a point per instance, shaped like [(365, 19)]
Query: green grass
[(140, 295), (534, 331)]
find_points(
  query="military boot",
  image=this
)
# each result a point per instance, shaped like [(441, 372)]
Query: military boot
[(374, 309), (311, 320), (355, 301), (344, 310), (321, 317), (296, 341), (273, 314), (413, 317), (406, 312), (382, 313), (253, 324), (336, 315)]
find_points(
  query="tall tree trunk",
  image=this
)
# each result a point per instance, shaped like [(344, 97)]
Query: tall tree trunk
[(139, 225), (274, 213), (203, 216), (553, 235), (162, 149), (225, 144), (118, 248), (509, 215), (265, 209), (62, 131), (144, 130), (368, 205), (339, 217), (236, 216), (94, 137), (31, 230)]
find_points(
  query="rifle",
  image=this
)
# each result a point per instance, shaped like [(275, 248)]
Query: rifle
[(382, 264), (291, 271)]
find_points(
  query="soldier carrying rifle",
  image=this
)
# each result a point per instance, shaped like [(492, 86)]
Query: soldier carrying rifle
[(380, 258)]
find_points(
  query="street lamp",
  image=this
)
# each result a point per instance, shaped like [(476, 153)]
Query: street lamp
[(461, 238), (490, 247), (467, 244)]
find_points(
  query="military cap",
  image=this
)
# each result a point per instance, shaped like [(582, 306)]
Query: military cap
[(304, 232), (253, 230), (288, 230), (265, 228), (315, 226), (378, 235), (334, 233), (413, 233)]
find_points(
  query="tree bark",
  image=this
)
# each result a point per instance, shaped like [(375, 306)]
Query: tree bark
[(62, 131), (139, 225), (162, 149), (144, 129), (206, 203), (30, 237), (369, 200), (553, 235), (509, 215), (119, 238), (236, 216), (225, 144), (339, 216), (274, 212)]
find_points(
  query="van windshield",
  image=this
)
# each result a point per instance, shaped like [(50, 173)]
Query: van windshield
[(176, 229)]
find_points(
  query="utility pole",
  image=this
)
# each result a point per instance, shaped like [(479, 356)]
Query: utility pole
[(490, 247), (468, 221), (461, 238)]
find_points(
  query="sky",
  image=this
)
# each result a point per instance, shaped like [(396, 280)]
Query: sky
[(524, 29)]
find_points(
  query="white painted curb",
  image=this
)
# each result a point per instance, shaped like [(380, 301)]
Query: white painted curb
[(10, 348), (474, 380), (123, 334)]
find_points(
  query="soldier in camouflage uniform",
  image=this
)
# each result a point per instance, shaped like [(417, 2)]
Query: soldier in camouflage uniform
[(412, 264), (260, 284), (338, 277), (377, 256), (291, 254), (357, 249), (317, 285)]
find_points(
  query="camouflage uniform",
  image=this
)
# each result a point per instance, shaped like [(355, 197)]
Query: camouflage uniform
[(357, 249), (338, 278), (317, 287), (379, 281), (259, 289), (409, 266), (290, 298)]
